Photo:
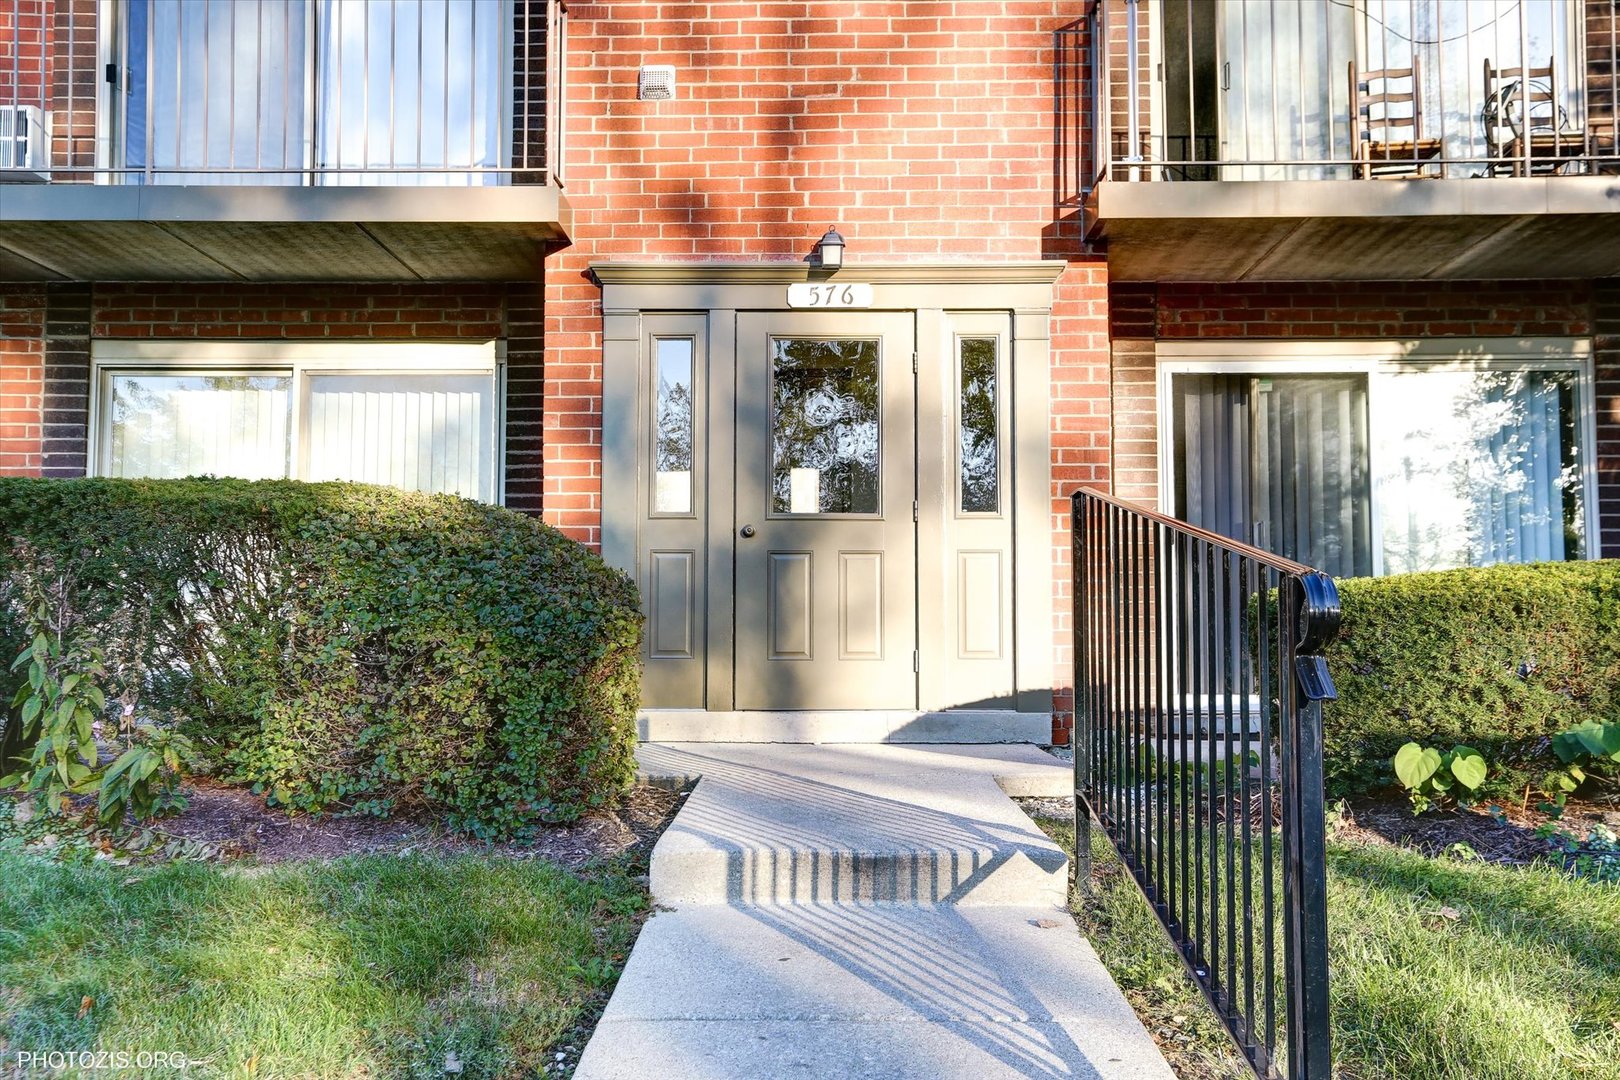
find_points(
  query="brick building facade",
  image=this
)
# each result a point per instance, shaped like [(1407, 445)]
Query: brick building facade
[(966, 141)]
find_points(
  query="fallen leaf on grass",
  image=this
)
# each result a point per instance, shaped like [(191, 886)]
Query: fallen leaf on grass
[(86, 1005)]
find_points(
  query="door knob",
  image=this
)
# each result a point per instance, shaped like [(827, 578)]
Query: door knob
[(748, 532)]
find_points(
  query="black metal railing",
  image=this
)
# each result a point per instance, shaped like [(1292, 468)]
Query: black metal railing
[(1199, 685), (1182, 90)]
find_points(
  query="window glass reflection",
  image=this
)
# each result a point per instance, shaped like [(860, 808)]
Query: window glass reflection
[(1479, 467), (979, 448), (824, 426), (672, 437)]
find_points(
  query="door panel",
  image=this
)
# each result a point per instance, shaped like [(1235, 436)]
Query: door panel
[(670, 618), (825, 483)]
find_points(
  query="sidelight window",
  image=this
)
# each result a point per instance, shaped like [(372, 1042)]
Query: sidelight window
[(673, 426), (979, 436)]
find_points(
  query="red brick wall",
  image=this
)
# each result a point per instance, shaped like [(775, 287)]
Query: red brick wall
[(1372, 309), (923, 131), (276, 311), (26, 30), (1606, 371), (22, 376)]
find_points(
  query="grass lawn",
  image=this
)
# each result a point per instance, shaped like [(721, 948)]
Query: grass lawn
[(1441, 969), (381, 965)]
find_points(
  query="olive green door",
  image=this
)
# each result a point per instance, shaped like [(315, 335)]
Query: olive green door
[(825, 490)]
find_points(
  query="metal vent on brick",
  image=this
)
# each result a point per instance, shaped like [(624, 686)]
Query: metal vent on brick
[(656, 82), (24, 144)]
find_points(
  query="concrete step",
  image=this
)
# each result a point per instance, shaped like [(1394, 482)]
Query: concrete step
[(828, 824), (719, 992), (862, 911)]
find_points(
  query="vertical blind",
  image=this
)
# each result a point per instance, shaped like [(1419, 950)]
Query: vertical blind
[(1280, 462), (415, 432)]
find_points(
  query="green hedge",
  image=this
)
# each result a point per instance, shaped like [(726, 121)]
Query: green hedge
[(1498, 658), (343, 646)]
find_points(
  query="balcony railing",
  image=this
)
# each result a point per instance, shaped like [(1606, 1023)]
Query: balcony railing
[(1327, 89), (282, 92)]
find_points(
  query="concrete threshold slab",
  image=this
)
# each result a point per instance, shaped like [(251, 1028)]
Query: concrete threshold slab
[(816, 824), (870, 911)]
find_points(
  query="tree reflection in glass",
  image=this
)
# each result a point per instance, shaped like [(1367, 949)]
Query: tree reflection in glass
[(824, 411), (672, 444), (1481, 467), (191, 425), (979, 449)]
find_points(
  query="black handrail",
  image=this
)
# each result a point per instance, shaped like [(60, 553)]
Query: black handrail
[(1199, 684)]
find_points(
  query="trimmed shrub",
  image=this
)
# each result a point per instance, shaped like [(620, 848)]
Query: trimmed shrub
[(1499, 658), (348, 647)]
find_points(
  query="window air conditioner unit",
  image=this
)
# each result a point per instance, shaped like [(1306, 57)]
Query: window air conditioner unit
[(25, 145)]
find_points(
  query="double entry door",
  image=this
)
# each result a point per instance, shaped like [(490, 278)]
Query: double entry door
[(778, 550), (823, 504)]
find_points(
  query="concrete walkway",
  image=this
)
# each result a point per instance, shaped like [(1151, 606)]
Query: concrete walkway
[(862, 911)]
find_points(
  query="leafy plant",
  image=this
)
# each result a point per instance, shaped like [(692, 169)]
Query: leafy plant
[(57, 708), (1589, 751), (344, 647), (145, 777), (1595, 856), (61, 705), (1431, 778), (1500, 658)]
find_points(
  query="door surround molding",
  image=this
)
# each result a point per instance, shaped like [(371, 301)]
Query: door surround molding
[(640, 295)]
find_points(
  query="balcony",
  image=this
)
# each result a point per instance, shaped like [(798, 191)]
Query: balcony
[(1322, 139), (352, 140)]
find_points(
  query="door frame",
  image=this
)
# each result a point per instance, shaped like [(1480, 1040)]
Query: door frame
[(638, 296)]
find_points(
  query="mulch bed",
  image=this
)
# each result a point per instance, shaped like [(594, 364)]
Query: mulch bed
[(1508, 837), (238, 824)]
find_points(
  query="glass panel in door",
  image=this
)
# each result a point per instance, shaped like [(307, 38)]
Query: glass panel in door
[(215, 84), (824, 426), (1284, 88), (1279, 461)]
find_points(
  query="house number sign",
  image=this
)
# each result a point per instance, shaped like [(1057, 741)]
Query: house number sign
[(829, 294)]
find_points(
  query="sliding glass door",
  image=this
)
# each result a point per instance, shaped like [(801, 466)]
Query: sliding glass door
[(1279, 461), (1394, 468)]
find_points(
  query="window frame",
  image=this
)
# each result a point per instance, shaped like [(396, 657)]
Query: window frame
[(297, 360), (1380, 361)]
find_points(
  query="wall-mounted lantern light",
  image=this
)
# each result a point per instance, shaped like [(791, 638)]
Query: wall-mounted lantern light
[(830, 250)]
